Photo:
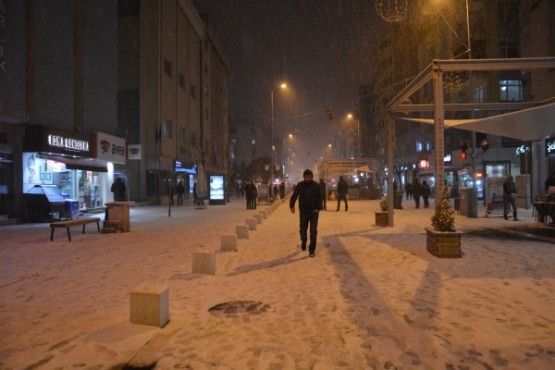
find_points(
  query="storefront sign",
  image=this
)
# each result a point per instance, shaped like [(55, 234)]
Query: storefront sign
[(550, 146), (522, 149), (109, 148), (47, 140), (179, 167), (68, 143), (134, 152)]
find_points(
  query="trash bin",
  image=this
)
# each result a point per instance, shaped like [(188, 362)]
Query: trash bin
[(398, 200), (119, 211), (468, 202), (72, 208)]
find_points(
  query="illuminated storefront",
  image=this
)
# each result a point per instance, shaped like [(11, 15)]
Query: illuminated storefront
[(78, 167)]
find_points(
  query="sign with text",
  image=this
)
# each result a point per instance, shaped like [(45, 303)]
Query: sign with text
[(109, 148), (134, 152)]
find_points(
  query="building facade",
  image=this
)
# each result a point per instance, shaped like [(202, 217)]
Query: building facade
[(94, 91), (498, 29)]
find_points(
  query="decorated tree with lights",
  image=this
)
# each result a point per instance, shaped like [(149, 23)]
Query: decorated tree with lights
[(444, 216)]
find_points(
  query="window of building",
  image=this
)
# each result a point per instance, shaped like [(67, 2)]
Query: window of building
[(182, 135), (182, 81), (193, 139), (168, 68), (510, 90), (167, 128), (509, 48), (193, 91), (479, 94)]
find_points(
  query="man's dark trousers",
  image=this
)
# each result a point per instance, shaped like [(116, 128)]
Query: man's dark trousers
[(307, 219)]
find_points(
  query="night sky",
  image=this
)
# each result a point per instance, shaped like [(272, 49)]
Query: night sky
[(321, 48)]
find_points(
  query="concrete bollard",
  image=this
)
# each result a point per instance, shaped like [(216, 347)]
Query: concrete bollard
[(242, 231), (150, 305), (229, 243), (204, 262), (258, 219), (251, 223), (264, 214)]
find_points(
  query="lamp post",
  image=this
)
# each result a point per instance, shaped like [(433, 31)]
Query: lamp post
[(282, 86), (351, 116)]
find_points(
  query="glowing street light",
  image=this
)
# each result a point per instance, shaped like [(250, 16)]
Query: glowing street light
[(283, 86), (351, 116)]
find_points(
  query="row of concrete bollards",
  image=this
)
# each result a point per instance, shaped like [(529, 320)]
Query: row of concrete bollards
[(150, 303)]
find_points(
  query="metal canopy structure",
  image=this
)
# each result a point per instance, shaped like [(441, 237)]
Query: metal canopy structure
[(525, 120), (348, 167)]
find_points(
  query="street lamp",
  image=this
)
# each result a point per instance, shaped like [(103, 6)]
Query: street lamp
[(285, 154), (282, 86), (351, 116)]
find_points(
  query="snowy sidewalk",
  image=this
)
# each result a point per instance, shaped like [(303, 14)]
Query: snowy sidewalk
[(373, 298)]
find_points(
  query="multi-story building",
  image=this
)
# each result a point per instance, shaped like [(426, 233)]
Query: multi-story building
[(93, 91), (439, 30)]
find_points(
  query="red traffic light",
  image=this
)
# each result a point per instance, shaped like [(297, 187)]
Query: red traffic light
[(463, 156)]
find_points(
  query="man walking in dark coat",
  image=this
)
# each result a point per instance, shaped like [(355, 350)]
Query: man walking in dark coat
[(310, 204)]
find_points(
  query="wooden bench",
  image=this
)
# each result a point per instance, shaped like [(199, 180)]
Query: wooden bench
[(68, 223)]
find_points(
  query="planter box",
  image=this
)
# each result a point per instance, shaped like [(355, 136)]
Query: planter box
[(443, 244), (382, 218)]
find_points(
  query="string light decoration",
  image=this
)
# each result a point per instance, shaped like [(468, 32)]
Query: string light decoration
[(392, 10)]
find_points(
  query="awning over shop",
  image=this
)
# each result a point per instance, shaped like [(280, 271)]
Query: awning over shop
[(530, 124), (77, 163)]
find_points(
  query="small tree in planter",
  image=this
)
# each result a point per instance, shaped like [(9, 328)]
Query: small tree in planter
[(383, 204), (443, 240), (382, 216), (444, 216)]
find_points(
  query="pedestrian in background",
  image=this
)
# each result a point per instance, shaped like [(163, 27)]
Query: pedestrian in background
[(276, 192), (408, 190), (426, 192), (509, 197), (416, 192), (323, 193), (248, 194), (282, 191), (310, 204), (195, 194), (180, 190), (342, 190), (171, 190)]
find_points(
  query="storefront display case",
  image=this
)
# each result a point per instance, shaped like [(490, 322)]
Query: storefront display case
[(43, 203)]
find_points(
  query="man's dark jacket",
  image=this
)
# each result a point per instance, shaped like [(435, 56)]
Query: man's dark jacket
[(342, 187), (309, 196)]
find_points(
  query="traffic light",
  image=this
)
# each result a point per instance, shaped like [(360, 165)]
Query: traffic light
[(464, 148), (330, 114)]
